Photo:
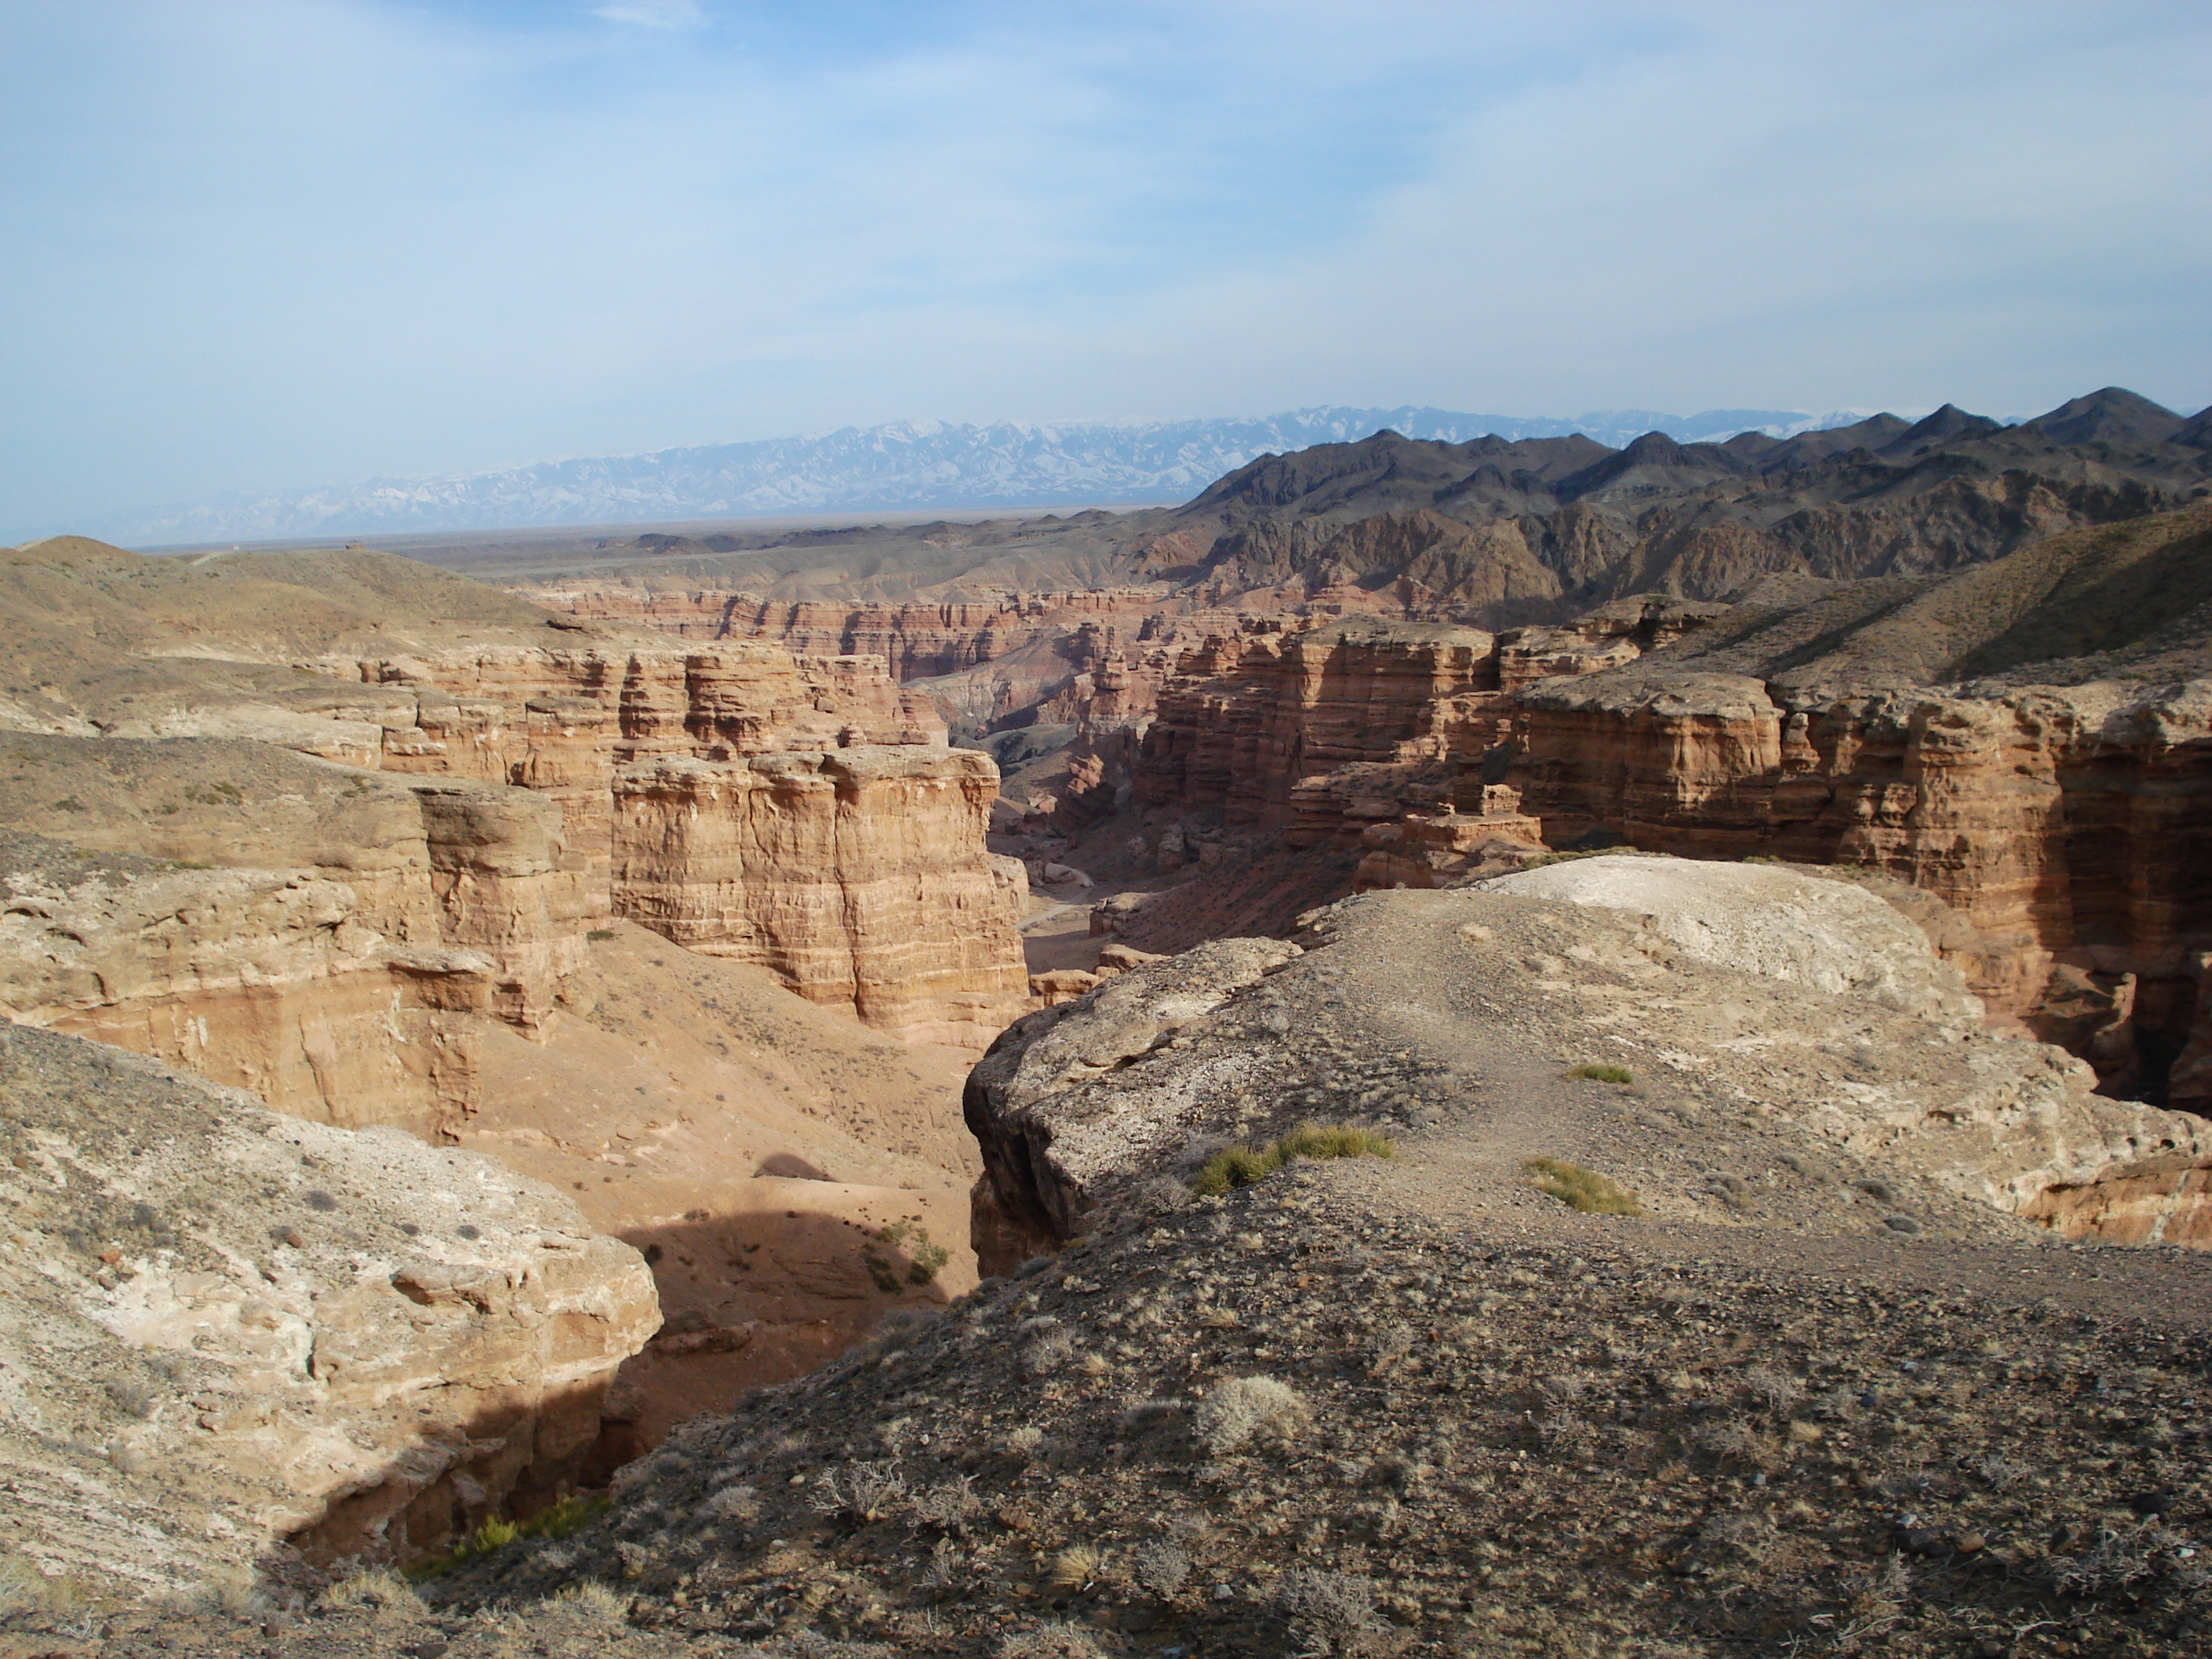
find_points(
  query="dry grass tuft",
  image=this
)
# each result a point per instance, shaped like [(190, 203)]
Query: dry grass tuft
[(1598, 1073), (1241, 1166), (1579, 1188)]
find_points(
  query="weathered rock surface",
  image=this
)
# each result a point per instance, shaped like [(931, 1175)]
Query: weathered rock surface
[(857, 875), (1791, 996), (1059, 1126), (224, 1328), (1250, 717), (338, 978), (2060, 806), (919, 641)]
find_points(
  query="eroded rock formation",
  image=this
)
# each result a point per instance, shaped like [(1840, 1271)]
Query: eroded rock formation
[(223, 1328), (857, 875)]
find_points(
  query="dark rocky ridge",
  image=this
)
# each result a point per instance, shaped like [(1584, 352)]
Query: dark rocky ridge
[(1541, 529)]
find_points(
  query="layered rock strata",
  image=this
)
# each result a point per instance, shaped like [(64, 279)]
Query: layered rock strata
[(341, 979), (857, 876), (917, 640), (224, 1328), (1250, 717), (2066, 823)]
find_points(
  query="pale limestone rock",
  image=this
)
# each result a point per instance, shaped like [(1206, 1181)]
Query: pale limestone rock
[(223, 1327)]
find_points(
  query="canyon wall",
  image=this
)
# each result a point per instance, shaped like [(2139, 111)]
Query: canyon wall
[(2069, 824), (918, 641), (857, 876), (1250, 717)]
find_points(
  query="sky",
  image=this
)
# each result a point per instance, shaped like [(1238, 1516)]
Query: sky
[(263, 244)]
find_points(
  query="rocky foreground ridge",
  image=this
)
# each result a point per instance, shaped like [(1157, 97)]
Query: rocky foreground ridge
[(226, 1328), (1819, 1395)]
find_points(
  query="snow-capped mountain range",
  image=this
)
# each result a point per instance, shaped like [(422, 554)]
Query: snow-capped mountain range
[(906, 465)]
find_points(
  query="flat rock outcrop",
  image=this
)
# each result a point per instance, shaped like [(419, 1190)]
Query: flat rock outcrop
[(2057, 801), (1785, 995), (232, 1339)]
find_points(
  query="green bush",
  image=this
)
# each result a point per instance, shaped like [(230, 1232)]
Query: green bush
[(571, 1514), (1603, 1073), (1240, 1166), (1579, 1188)]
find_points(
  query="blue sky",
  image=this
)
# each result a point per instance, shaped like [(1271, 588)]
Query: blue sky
[(265, 243)]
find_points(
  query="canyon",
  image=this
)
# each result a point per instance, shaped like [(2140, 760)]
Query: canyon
[(377, 847), (795, 983)]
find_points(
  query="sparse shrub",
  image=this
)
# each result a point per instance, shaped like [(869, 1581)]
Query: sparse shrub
[(70, 803), (2117, 1561), (570, 1515), (1579, 1188), (591, 1605), (1603, 1073), (1729, 1436), (600, 935), (2003, 1473), (925, 1258), (133, 1396), (232, 1592), (1161, 1568), (944, 1566), (1329, 1613), (1777, 1391), (1240, 1408), (859, 1491), (732, 1503), (1563, 1431), (1241, 1166), (375, 1589), (1048, 1352), (1879, 1191), (1026, 1439), (1050, 1642), (24, 1588), (950, 1504), (1075, 1566)]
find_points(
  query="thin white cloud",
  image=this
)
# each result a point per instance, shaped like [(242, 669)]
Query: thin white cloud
[(653, 14), (533, 240)]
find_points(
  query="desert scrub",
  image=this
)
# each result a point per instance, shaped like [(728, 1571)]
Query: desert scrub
[(1579, 1188), (860, 1492), (1240, 1408), (570, 1515), (1600, 1073), (1075, 1566), (924, 1256), (377, 1590), (1240, 1166)]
